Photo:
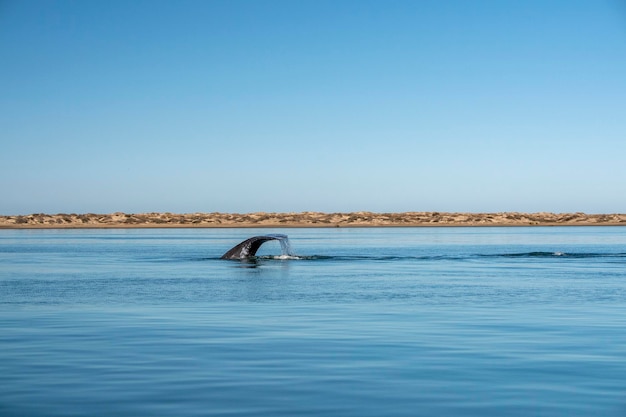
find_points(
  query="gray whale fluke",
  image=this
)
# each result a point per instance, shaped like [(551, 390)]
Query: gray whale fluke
[(248, 247)]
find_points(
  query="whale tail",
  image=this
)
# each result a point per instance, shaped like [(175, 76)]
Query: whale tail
[(248, 247)]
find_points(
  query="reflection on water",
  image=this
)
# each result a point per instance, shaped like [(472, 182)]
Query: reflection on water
[(362, 322)]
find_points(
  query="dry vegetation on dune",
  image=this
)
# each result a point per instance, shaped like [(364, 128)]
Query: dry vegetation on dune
[(306, 219)]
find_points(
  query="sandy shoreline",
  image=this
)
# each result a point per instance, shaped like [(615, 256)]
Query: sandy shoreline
[(306, 219)]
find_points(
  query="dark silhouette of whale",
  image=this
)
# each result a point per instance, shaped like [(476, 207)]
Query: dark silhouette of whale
[(248, 247)]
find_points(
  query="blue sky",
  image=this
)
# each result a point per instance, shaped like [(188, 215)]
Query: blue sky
[(243, 106)]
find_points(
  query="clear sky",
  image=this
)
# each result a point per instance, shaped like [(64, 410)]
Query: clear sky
[(242, 106)]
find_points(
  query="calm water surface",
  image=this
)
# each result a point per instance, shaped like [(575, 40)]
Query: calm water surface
[(362, 322)]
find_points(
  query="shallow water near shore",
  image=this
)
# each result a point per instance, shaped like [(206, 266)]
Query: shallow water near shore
[(360, 322)]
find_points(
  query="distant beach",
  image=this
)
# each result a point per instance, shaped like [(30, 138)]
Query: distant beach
[(307, 219)]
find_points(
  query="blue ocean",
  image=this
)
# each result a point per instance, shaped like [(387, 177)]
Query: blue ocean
[(523, 321)]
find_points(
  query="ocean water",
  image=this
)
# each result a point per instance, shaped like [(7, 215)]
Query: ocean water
[(360, 322)]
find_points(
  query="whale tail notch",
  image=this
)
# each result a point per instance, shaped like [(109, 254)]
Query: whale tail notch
[(249, 247)]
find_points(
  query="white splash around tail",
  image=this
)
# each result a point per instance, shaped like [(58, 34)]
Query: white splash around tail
[(285, 246)]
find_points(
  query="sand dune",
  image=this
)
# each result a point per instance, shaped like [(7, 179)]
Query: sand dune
[(306, 219)]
